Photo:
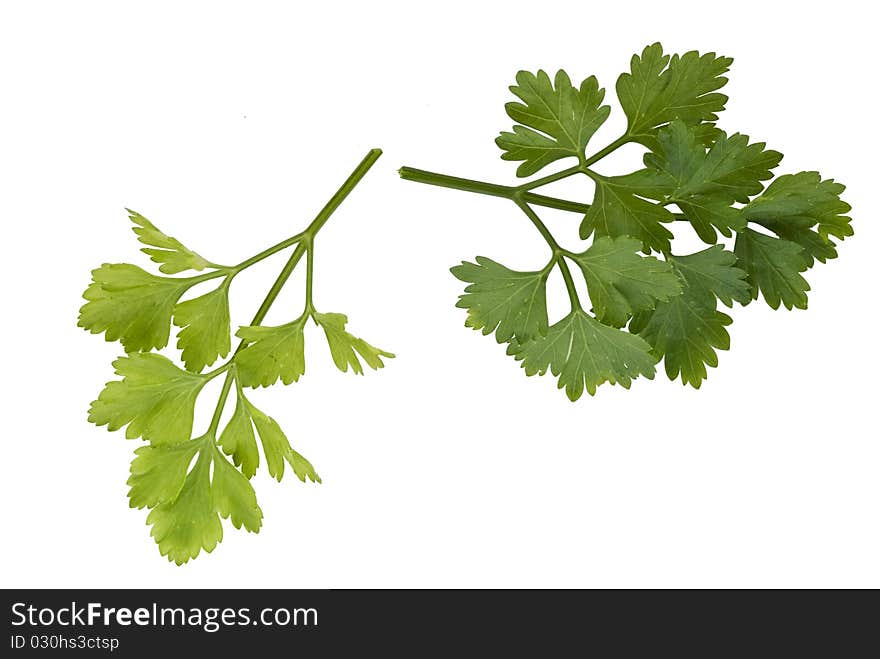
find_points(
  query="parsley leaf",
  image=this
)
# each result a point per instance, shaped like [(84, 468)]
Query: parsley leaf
[(182, 527), (796, 203), (277, 449), (686, 330), (583, 353), (188, 498), (510, 303), (731, 170), (155, 399), (130, 305), (271, 353), (234, 498), (205, 323), (345, 348), (238, 441), (275, 444), (617, 211), (713, 272), (774, 266), (170, 252), (158, 472), (554, 121), (620, 281), (704, 184), (660, 88)]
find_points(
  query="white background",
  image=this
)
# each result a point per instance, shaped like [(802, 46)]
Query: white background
[(230, 124)]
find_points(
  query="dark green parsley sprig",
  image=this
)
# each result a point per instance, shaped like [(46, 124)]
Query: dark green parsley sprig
[(656, 304)]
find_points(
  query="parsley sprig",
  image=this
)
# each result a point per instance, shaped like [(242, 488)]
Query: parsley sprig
[(646, 302), (189, 483)]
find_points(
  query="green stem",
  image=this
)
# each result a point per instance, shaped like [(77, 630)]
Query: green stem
[(522, 196), (282, 278), (221, 403), (491, 189), (266, 253), (539, 225), (313, 228), (557, 253), (551, 178), (345, 189), (198, 279), (601, 153), (559, 204), (217, 371), (310, 268), (596, 176), (507, 191), (569, 284), (318, 222), (455, 182)]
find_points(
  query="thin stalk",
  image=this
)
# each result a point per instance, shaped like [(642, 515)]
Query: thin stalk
[(217, 371), (569, 284), (318, 222), (522, 196), (266, 253), (507, 191), (310, 269), (456, 182), (491, 189), (559, 204), (551, 178), (601, 153), (539, 225), (557, 253), (354, 178), (597, 177), (313, 228), (198, 279), (282, 278), (221, 403)]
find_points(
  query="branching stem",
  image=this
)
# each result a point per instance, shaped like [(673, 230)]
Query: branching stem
[(303, 243), (558, 252), (551, 178), (524, 189), (601, 153), (491, 189), (524, 197)]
